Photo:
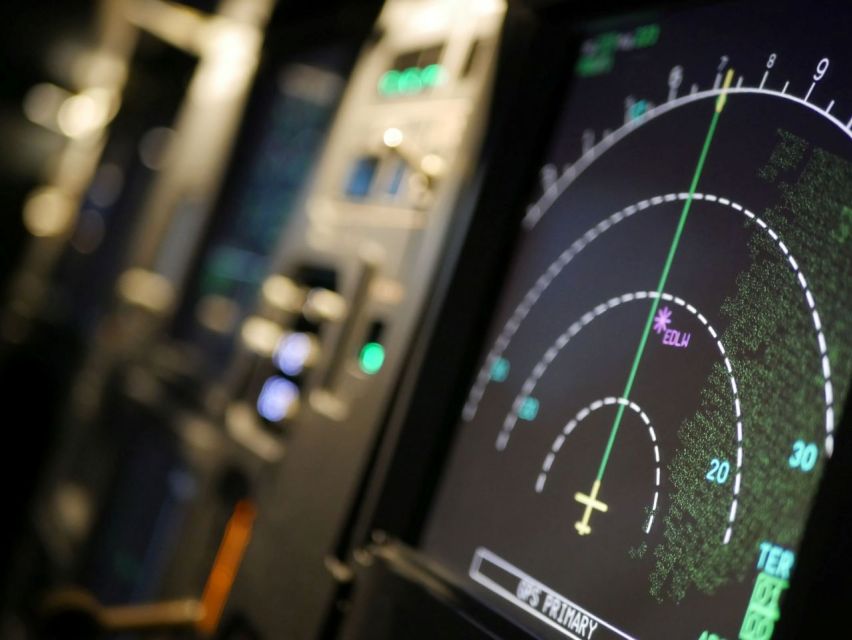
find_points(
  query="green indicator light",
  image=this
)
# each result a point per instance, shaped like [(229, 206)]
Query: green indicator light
[(389, 83), (432, 75), (529, 409), (409, 81), (372, 358)]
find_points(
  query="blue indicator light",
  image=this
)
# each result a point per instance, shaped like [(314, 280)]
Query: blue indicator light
[(292, 353), (276, 398)]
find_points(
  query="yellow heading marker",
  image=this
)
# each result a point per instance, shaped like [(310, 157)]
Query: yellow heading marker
[(720, 101), (224, 571)]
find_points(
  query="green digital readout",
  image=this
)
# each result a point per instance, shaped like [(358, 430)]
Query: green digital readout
[(413, 72), (410, 81), (598, 54)]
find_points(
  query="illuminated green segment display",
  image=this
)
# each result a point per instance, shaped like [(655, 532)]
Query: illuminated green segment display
[(371, 358), (411, 81), (764, 608)]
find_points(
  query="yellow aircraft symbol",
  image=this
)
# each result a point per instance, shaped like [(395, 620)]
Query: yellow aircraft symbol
[(591, 501)]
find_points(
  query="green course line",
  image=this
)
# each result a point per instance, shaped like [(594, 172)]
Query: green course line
[(660, 286)]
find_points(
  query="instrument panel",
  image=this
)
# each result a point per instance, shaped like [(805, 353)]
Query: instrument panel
[(663, 376), (283, 137)]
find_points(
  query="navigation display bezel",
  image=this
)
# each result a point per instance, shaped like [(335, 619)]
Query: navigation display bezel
[(408, 468)]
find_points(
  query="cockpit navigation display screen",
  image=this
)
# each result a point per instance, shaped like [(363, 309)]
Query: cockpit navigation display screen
[(662, 382)]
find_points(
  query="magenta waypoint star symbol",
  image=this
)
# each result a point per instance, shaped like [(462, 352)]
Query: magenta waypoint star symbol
[(662, 319)]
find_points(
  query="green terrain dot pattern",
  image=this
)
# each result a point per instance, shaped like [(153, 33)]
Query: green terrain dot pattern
[(773, 348)]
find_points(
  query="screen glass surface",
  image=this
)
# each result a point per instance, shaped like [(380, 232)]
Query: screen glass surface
[(667, 362)]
